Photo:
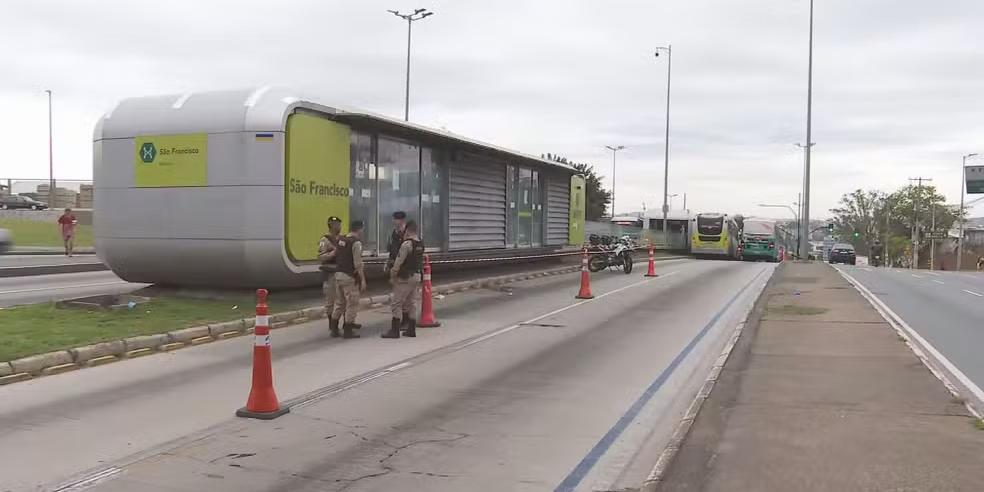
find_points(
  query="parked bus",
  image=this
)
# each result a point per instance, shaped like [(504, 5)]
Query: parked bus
[(715, 235), (759, 240)]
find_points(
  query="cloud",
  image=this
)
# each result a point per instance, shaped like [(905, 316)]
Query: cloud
[(897, 84)]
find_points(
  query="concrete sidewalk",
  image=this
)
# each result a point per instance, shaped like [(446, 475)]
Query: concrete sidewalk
[(821, 394)]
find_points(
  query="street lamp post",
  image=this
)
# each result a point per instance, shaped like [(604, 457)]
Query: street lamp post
[(796, 216), (416, 15), (666, 145), (963, 183), (805, 224), (51, 157), (671, 199), (614, 149)]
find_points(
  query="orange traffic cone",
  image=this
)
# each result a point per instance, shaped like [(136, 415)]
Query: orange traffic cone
[(652, 262), (427, 319), (262, 403), (585, 292)]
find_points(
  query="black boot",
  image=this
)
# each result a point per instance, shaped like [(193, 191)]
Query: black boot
[(394, 331), (411, 330), (347, 331), (356, 326), (406, 322), (333, 327)]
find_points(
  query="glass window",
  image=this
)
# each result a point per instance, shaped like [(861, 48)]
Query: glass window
[(398, 184), (362, 188), (537, 199), (511, 203), (432, 200), (524, 214)]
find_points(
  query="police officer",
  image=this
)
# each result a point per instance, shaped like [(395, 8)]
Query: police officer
[(396, 238), (350, 279), (405, 277), (327, 252)]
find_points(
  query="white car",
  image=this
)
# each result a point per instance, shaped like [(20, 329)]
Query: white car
[(6, 240)]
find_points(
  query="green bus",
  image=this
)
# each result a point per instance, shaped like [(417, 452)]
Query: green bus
[(758, 239)]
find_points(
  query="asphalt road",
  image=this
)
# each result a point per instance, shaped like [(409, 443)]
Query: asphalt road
[(945, 308), (7, 261), (44, 288), (522, 388)]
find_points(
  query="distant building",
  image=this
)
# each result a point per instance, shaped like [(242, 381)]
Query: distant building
[(85, 196), (63, 197)]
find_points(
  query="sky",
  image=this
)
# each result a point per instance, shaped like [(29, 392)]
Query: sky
[(898, 84)]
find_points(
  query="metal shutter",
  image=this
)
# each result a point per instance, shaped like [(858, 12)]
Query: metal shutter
[(476, 204), (558, 208)]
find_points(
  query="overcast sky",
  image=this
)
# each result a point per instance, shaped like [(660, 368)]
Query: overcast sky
[(898, 84)]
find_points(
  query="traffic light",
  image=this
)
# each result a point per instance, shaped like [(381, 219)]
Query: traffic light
[(857, 234), (830, 227)]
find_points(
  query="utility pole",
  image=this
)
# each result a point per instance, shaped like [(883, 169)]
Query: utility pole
[(684, 202), (416, 15), (932, 240), (666, 144), (915, 220), (805, 231), (614, 149), (960, 216)]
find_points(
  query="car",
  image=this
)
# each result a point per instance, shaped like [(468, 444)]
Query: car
[(843, 253), (6, 240), (18, 201)]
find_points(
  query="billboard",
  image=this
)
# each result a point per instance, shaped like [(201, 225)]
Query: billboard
[(975, 179)]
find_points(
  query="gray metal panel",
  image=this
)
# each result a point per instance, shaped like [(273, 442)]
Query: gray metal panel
[(476, 204), (558, 208)]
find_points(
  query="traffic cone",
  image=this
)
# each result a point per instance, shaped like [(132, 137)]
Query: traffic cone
[(427, 319), (585, 292), (262, 403), (652, 262)]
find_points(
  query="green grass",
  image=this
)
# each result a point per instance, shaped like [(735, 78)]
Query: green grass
[(39, 328), (790, 309), (979, 424), (37, 233)]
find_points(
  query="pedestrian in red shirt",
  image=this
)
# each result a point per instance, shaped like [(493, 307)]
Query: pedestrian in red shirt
[(67, 223)]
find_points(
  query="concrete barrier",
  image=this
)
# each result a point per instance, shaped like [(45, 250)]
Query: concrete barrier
[(5, 369), (145, 341), (188, 334), (35, 363), (84, 354), (218, 329)]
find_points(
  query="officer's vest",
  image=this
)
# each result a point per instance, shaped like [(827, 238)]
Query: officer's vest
[(415, 260), (344, 257), (331, 265)]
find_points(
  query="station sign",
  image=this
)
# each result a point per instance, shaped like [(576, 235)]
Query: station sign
[(975, 179)]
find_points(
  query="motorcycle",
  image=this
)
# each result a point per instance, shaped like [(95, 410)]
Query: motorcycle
[(876, 260), (608, 252)]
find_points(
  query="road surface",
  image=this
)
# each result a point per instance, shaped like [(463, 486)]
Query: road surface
[(522, 388), (945, 308), (44, 288)]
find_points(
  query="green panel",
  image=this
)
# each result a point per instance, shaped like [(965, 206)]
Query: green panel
[(170, 160), (975, 187), (316, 183), (575, 230)]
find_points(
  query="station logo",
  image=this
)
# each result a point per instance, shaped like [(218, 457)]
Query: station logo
[(148, 152)]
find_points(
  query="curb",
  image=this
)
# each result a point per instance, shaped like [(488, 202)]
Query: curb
[(34, 366), (36, 270)]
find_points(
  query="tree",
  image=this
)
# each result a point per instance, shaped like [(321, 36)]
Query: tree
[(858, 213), (914, 207), (596, 196)]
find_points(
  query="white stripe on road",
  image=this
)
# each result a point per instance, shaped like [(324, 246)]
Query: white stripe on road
[(973, 293), (63, 287), (921, 347), (933, 273), (938, 281), (917, 276)]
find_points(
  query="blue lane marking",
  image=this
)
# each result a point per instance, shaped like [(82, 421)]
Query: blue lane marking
[(599, 449)]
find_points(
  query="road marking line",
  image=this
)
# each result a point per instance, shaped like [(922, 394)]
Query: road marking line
[(973, 293), (88, 481), (933, 273), (117, 282), (917, 276), (581, 470), (921, 347), (938, 281)]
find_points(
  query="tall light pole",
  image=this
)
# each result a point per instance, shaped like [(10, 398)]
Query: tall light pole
[(805, 224), (51, 157), (960, 217), (416, 15), (671, 199), (795, 216), (666, 144), (614, 149)]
